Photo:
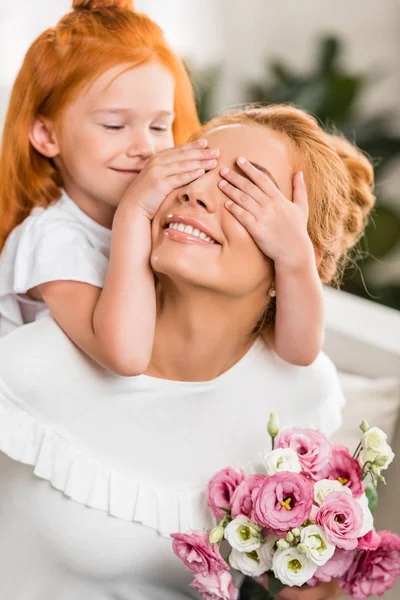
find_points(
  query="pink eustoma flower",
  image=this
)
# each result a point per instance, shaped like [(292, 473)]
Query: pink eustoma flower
[(283, 501), (312, 447), (345, 469), (221, 488), (374, 571), (336, 567), (242, 503), (216, 586), (369, 541), (341, 517), (197, 554)]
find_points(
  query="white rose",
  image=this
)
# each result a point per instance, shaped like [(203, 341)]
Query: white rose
[(374, 440), (257, 562), (388, 454), (319, 548), (368, 519), (292, 568), (326, 486), (367, 456), (371, 456), (282, 459), (242, 534)]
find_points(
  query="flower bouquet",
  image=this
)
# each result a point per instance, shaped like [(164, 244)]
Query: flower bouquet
[(306, 518)]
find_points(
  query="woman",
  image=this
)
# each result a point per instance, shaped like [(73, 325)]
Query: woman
[(111, 480)]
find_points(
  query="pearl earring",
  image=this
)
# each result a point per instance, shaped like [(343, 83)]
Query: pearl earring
[(272, 292)]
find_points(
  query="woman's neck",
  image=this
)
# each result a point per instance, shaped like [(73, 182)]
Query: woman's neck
[(200, 334)]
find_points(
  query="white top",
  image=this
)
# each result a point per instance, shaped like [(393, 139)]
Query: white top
[(98, 469), (60, 242)]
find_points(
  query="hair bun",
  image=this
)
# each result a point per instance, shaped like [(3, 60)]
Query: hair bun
[(101, 4)]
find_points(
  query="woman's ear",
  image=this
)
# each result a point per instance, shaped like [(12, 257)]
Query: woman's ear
[(43, 138)]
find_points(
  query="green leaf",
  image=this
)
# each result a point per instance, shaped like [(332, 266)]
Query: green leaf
[(372, 496)]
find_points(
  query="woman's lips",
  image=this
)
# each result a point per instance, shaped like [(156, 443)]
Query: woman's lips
[(188, 238)]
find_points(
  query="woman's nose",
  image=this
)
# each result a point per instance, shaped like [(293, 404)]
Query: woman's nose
[(201, 192)]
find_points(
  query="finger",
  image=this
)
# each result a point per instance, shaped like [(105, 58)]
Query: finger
[(176, 181), (300, 197), (243, 216), (241, 198), (189, 165), (243, 184), (261, 179), (178, 154)]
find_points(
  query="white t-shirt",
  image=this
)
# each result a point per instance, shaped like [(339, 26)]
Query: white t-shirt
[(57, 243), (97, 470)]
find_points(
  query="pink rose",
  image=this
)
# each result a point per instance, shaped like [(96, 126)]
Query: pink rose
[(216, 586), (197, 554), (336, 567), (374, 571), (220, 490), (369, 541), (283, 501), (341, 517), (345, 469), (313, 448), (242, 503)]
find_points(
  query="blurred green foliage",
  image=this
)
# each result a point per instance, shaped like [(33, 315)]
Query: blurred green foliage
[(332, 94)]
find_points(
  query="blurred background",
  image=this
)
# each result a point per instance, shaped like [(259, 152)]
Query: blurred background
[(340, 60)]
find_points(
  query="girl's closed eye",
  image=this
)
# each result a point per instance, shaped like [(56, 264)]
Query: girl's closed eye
[(113, 127)]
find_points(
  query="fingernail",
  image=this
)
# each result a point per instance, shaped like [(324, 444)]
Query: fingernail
[(214, 152), (202, 142), (301, 175), (228, 203), (223, 183), (224, 171), (211, 163), (241, 160)]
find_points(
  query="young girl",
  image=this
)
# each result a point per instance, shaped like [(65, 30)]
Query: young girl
[(94, 101), (97, 96)]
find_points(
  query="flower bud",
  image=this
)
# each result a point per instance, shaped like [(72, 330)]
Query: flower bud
[(296, 532), (273, 425), (364, 426), (216, 535), (289, 537), (375, 469), (381, 460), (282, 544), (302, 548)]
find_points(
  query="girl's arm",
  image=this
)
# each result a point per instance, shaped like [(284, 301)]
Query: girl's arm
[(115, 325), (299, 326), (279, 228)]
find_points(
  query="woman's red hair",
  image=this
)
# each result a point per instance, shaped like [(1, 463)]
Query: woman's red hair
[(96, 36)]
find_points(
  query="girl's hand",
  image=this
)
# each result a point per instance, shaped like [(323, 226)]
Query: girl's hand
[(166, 171), (277, 225), (322, 591)]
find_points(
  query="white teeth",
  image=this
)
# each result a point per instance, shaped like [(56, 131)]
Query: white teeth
[(192, 231)]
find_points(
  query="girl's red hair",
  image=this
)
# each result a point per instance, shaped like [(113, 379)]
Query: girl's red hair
[(96, 36)]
